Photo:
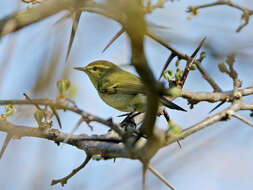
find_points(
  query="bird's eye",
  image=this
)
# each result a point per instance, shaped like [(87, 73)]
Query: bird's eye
[(94, 68)]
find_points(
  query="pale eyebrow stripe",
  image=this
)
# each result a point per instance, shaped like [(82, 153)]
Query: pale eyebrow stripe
[(99, 67)]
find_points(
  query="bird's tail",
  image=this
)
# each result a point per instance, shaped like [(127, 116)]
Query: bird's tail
[(170, 104)]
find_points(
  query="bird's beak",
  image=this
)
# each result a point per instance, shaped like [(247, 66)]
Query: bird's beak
[(79, 68)]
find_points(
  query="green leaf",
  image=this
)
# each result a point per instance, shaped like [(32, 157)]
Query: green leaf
[(97, 157), (63, 86), (194, 67), (39, 115), (223, 68), (72, 91), (9, 110), (174, 128), (168, 75), (175, 91), (178, 74), (202, 55)]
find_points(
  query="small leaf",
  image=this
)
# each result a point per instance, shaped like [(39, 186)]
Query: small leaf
[(178, 74), (230, 59), (39, 115), (223, 68), (168, 75), (177, 62), (194, 11), (202, 55), (9, 110), (174, 128), (63, 86), (97, 157), (72, 91), (175, 91), (194, 66)]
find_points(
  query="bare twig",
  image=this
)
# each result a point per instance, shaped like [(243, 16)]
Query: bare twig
[(247, 107), (144, 176), (157, 174), (61, 105), (107, 149), (208, 78), (64, 180), (214, 96), (246, 13), (150, 8), (6, 142), (243, 119), (233, 74), (223, 115)]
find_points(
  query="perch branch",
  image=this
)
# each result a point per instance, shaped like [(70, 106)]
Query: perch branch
[(64, 180), (246, 13)]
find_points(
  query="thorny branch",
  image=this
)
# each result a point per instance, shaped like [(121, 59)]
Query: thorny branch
[(246, 13), (94, 145), (64, 180), (107, 146), (119, 142)]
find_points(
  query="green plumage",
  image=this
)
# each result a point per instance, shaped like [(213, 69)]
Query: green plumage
[(120, 89)]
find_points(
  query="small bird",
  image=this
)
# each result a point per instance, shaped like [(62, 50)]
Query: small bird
[(120, 89)]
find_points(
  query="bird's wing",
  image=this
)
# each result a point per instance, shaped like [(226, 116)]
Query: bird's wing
[(128, 84), (123, 83)]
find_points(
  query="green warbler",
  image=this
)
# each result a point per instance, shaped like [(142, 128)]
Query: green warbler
[(120, 89)]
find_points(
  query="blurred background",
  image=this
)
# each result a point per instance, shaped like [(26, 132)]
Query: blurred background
[(33, 59)]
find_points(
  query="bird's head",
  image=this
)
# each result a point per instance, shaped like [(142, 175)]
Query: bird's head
[(97, 69)]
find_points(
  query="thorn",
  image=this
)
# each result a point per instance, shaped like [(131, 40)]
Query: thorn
[(125, 114), (171, 57), (179, 144), (57, 116), (117, 35), (198, 48), (76, 19), (74, 129), (191, 61), (6, 142), (28, 98), (220, 104)]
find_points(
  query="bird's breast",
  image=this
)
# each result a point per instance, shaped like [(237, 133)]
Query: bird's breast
[(122, 102)]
